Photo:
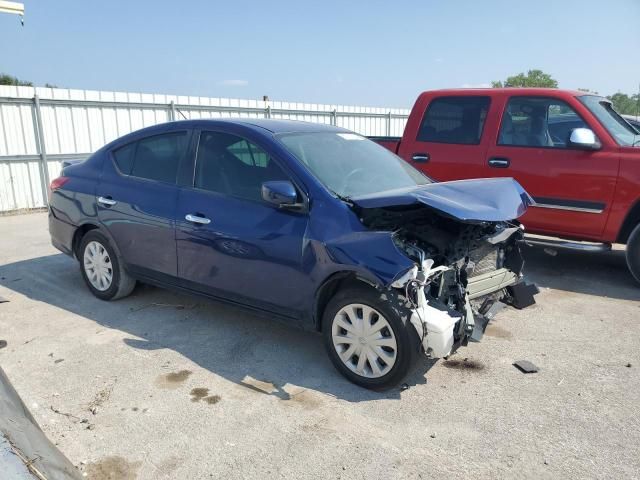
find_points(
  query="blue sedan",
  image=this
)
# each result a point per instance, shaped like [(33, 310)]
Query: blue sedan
[(311, 223)]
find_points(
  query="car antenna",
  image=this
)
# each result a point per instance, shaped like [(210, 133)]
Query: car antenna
[(180, 112)]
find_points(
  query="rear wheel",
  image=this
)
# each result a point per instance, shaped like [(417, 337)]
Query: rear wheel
[(633, 252), (369, 341), (101, 268)]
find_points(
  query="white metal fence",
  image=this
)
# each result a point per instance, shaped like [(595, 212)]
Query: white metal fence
[(41, 127)]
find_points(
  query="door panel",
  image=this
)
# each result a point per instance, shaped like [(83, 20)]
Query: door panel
[(449, 144), (230, 242), (136, 200), (249, 252), (574, 188), (141, 222)]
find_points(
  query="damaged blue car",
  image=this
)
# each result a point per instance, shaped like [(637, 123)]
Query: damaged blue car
[(305, 222)]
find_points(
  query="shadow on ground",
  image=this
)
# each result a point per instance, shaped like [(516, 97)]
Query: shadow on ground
[(241, 346), (600, 274)]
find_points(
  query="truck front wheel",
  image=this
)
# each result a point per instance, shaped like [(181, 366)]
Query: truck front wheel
[(633, 252)]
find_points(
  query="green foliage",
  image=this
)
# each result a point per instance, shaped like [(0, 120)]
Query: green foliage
[(11, 80), (533, 78), (626, 104)]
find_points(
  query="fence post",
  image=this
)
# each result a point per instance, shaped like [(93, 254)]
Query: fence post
[(334, 118), (389, 124), (172, 111), (42, 150)]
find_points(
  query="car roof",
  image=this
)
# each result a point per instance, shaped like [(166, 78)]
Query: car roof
[(513, 91), (271, 125)]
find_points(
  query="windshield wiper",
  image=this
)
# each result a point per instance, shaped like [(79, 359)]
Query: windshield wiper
[(344, 198)]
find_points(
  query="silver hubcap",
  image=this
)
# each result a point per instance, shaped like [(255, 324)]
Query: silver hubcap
[(364, 340), (97, 266)]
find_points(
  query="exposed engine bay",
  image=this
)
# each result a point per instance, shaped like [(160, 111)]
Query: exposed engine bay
[(461, 269)]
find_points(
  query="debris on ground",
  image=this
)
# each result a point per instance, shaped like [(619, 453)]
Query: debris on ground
[(3, 300), (628, 365), (68, 415), (164, 305), (100, 397), (3, 344), (525, 366), (404, 387), (433, 435)]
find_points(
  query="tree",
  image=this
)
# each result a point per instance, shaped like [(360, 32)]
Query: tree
[(11, 80), (626, 104), (533, 78)]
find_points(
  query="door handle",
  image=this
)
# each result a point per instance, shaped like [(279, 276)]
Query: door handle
[(421, 157), (499, 162), (199, 219), (108, 201)]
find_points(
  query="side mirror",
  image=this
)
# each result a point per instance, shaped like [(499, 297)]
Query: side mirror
[(281, 193), (584, 138)]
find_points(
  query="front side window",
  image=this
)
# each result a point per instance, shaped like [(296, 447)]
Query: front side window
[(350, 165), (153, 158), (617, 126), (457, 120), (231, 165), (538, 122)]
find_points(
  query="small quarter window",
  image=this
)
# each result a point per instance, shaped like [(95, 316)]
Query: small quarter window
[(124, 158)]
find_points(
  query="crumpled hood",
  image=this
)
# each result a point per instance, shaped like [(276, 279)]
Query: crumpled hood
[(484, 199)]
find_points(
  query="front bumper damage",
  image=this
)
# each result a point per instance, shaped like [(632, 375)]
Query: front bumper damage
[(448, 308), (462, 240)]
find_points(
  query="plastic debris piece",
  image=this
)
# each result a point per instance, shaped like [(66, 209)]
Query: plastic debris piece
[(525, 366)]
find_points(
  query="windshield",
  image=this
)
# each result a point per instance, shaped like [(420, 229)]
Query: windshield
[(617, 126), (350, 165)]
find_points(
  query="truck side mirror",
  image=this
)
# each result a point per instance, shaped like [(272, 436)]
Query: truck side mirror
[(584, 138)]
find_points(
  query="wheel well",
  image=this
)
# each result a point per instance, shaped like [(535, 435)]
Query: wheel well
[(630, 222), (77, 236), (329, 288)]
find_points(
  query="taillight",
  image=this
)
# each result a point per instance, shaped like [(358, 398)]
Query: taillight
[(58, 183)]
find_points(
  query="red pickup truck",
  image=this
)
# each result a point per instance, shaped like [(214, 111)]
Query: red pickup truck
[(571, 151)]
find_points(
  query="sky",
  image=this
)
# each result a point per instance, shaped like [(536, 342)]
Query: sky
[(375, 53)]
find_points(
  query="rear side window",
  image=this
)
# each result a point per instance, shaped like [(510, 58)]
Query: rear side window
[(153, 158), (233, 166), (457, 120)]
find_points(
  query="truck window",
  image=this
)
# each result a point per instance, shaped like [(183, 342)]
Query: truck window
[(458, 120), (538, 122)]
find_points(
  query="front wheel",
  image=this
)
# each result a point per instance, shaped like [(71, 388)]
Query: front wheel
[(633, 252), (369, 341)]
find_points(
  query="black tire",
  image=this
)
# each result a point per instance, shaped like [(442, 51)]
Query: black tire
[(121, 283), (397, 315), (633, 252)]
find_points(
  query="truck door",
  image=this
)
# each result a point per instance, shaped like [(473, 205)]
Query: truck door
[(573, 187), (449, 141)]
